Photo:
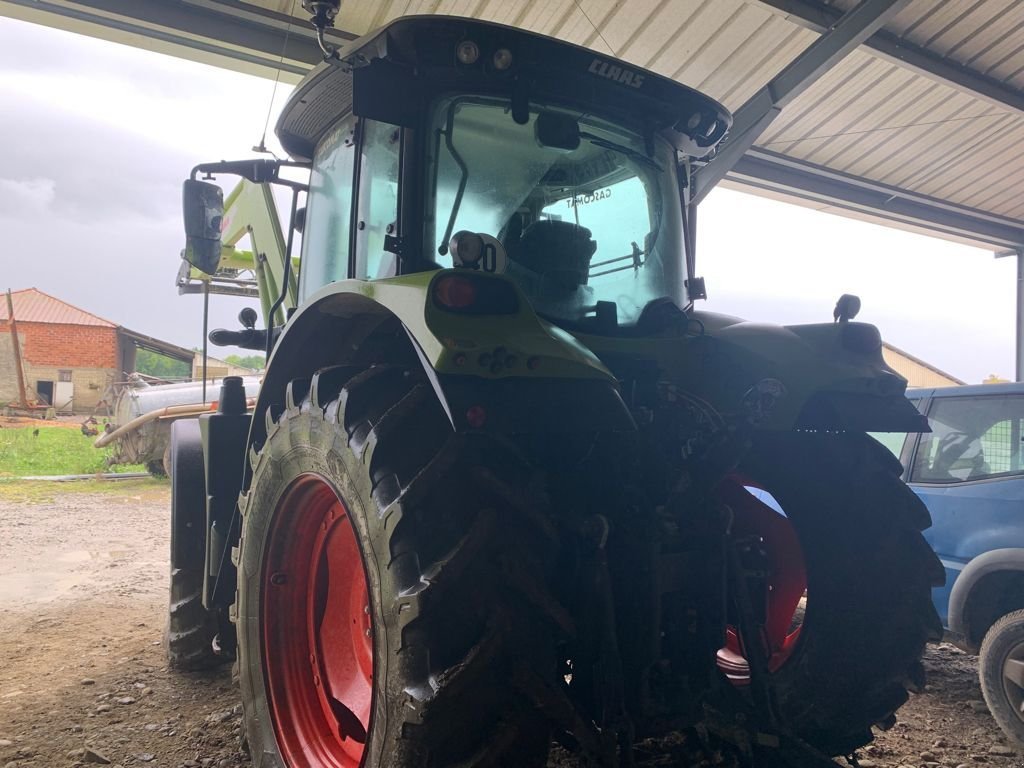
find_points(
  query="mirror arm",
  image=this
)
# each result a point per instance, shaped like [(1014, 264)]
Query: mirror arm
[(256, 170)]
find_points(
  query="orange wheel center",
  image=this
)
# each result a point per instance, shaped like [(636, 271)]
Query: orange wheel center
[(316, 630)]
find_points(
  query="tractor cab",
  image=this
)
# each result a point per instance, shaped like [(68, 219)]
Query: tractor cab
[(442, 142)]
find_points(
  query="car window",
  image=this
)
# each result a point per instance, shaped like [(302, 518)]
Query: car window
[(972, 438), (894, 441), (891, 440)]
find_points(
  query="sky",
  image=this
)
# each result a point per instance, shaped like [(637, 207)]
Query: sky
[(98, 138)]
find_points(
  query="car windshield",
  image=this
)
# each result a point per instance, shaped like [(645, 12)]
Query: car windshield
[(587, 211)]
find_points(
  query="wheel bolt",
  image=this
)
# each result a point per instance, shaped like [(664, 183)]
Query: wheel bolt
[(367, 632), (279, 579), (366, 609)]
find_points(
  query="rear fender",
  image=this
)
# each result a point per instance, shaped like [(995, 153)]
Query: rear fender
[(833, 375), (515, 371)]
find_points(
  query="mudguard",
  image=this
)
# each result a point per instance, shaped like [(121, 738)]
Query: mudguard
[(188, 494), (832, 375), (991, 562), (511, 372)]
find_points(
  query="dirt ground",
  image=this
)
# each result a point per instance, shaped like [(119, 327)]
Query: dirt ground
[(83, 679), (83, 580)]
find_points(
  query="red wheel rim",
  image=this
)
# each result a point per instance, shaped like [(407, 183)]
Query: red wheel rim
[(787, 580), (316, 630)]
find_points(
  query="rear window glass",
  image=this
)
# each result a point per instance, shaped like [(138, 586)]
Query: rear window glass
[(972, 438)]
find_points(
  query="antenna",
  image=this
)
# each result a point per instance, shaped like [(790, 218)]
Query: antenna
[(262, 146)]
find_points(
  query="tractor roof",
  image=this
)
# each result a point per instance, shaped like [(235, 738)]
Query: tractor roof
[(414, 58)]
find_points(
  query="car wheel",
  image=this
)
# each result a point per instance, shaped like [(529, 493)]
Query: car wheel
[(1001, 670)]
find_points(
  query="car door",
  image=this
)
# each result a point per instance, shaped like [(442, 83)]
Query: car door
[(968, 471)]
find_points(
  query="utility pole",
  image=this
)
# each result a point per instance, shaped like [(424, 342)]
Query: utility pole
[(16, 345)]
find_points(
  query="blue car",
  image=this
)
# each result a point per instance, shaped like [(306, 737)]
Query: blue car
[(969, 471)]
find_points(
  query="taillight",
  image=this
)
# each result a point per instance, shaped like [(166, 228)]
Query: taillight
[(468, 294), (455, 293)]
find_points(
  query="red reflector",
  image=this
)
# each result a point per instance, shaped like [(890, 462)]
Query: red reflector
[(455, 292), (476, 416)]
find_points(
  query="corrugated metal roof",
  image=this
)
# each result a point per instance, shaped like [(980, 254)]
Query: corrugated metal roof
[(868, 116), (33, 306), (910, 123)]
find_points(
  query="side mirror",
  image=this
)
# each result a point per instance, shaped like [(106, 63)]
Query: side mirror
[(203, 209)]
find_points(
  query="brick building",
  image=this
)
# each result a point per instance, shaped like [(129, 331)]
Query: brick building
[(70, 357)]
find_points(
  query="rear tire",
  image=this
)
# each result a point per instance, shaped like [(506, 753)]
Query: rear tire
[(1001, 670), (453, 549), (191, 628), (869, 578)]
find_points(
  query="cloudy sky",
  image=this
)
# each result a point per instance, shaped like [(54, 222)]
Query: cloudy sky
[(98, 137)]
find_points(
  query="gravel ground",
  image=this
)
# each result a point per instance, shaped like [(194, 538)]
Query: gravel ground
[(83, 579)]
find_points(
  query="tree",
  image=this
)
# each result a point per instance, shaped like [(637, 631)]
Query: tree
[(253, 362), (154, 364)]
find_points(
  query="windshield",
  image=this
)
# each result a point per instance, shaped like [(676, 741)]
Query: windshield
[(585, 212)]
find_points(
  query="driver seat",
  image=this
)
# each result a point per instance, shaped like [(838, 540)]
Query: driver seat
[(558, 250)]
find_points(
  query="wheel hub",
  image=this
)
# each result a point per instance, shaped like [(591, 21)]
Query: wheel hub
[(317, 630), (756, 515), (1013, 679)]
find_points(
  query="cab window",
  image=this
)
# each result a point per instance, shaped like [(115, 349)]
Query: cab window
[(325, 241), (378, 200)]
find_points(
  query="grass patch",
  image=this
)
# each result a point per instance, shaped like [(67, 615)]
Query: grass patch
[(53, 450), (45, 492)]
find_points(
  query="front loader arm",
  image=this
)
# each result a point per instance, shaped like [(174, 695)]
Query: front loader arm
[(250, 210)]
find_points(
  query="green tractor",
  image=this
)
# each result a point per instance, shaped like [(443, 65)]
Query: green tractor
[(504, 487)]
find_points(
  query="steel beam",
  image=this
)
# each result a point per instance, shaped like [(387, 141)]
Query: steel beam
[(1018, 253), (819, 17), (763, 107), (771, 171), (260, 40), (1019, 369)]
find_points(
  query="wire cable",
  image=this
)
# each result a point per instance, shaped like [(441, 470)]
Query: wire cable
[(883, 128), (592, 24)]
